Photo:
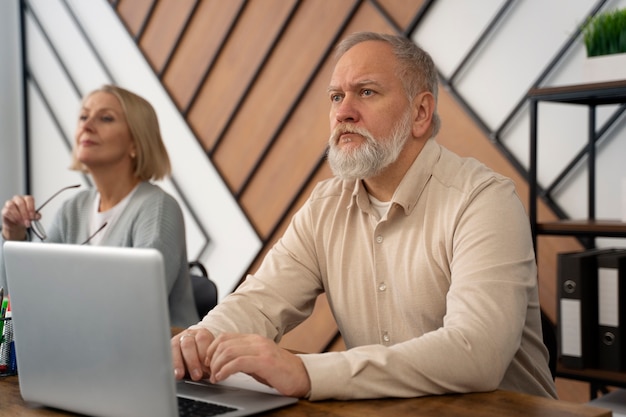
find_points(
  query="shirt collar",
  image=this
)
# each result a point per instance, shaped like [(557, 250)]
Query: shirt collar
[(411, 186)]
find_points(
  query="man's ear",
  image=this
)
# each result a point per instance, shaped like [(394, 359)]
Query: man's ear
[(423, 109)]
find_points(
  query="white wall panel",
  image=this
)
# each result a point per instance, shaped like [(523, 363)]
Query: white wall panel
[(451, 28), (513, 58), (80, 60), (49, 158), (49, 75)]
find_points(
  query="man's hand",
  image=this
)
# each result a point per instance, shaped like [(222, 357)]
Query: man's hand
[(260, 358), (189, 350)]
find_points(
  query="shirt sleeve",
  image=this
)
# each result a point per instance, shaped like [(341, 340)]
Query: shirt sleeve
[(279, 296)]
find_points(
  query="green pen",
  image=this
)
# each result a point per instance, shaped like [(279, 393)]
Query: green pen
[(3, 309), (3, 313)]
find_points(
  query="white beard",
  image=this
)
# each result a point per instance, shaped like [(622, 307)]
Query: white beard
[(374, 154)]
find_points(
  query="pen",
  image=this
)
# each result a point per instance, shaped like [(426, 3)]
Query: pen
[(3, 312), (3, 309), (5, 348)]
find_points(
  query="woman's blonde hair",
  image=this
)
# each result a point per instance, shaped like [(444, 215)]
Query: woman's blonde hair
[(152, 160)]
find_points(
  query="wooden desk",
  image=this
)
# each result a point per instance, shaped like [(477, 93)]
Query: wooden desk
[(492, 404)]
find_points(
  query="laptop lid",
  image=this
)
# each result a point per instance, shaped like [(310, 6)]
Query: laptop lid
[(92, 332)]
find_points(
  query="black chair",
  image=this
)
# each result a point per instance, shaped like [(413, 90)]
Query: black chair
[(204, 290), (549, 339)]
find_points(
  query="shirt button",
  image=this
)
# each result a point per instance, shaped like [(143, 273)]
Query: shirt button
[(382, 286), (379, 239), (386, 337)]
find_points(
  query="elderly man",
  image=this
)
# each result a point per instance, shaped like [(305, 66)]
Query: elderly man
[(426, 258)]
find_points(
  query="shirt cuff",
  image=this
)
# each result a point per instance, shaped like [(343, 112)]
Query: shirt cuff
[(327, 373)]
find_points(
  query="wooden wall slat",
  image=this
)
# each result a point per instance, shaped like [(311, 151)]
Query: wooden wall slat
[(197, 50), (133, 13), (297, 150), (402, 11), (292, 61), (315, 333), (237, 63), (163, 29), (322, 173)]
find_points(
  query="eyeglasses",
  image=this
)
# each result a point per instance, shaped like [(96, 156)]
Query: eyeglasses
[(40, 232), (94, 233), (35, 225)]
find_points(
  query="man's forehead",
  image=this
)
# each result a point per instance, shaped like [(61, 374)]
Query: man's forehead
[(367, 60), (351, 76)]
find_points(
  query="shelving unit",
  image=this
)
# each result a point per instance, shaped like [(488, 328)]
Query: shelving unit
[(590, 95)]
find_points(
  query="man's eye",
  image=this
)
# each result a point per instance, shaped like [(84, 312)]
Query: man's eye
[(367, 92), (335, 98)]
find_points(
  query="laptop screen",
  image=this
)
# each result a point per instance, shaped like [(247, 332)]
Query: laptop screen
[(89, 325)]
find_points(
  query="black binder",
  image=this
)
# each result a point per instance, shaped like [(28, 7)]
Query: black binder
[(611, 333), (577, 309)]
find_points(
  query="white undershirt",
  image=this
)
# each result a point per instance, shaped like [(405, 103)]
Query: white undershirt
[(380, 207), (98, 218)]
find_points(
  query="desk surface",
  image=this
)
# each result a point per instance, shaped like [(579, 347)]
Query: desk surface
[(492, 404)]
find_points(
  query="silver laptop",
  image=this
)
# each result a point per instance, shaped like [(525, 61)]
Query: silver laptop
[(92, 334)]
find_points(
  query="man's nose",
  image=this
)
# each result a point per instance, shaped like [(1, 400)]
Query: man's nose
[(347, 111)]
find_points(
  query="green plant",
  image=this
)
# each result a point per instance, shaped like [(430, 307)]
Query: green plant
[(605, 33)]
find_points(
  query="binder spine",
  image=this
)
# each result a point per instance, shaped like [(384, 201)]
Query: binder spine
[(610, 335), (577, 309)]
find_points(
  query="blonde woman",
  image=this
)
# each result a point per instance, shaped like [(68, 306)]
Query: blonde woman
[(118, 143)]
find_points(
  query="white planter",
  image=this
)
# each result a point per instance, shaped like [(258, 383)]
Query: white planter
[(605, 68)]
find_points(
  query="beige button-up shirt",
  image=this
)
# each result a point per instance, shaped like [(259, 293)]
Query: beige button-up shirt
[(437, 296)]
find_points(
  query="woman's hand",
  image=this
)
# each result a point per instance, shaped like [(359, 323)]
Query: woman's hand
[(17, 214)]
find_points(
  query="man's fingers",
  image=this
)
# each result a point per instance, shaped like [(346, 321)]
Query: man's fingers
[(189, 352), (177, 358), (191, 356)]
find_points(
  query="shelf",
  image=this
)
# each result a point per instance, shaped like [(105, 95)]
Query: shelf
[(599, 376), (590, 95), (605, 228), (613, 92)]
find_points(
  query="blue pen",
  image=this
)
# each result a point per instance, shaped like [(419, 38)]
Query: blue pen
[(12, 358), (2, 313)]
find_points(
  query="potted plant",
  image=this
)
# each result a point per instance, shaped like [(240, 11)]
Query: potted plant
[(604, 36)]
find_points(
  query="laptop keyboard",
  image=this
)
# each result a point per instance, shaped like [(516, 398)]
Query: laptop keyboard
[(192, 408)]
